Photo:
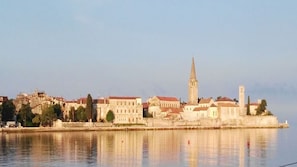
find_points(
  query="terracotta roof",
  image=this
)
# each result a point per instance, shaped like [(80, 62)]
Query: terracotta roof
[(224, 99), (207, 100), (200, 108), (167, 98), (123, 97)]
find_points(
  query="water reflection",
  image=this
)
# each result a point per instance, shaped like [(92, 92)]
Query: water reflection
[(234, 147)]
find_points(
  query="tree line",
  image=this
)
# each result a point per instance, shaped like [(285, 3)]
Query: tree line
[(50, 113)]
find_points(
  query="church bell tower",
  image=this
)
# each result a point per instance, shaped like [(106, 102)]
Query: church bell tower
[(193, 86)]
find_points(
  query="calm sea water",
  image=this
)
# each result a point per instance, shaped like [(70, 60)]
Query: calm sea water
[(236, 147)]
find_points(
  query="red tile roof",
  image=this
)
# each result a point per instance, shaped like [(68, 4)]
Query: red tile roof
[(163, 98), (123, 97)]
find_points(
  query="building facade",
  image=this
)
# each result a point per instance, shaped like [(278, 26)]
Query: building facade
[(227, 109), (161, 106), (127, 110)]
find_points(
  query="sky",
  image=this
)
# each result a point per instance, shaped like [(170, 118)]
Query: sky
[(70, 48)]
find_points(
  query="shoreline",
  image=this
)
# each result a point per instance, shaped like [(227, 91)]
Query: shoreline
[(129, 128)]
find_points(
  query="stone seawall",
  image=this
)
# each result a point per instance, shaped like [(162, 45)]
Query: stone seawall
[(157, 124), (133, 128), (262, 121), (245, 121)]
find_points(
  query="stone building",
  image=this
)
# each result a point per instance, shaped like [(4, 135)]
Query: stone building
[(227, 109), (37, 100), (206, 109), (161, 106), (127, 110)]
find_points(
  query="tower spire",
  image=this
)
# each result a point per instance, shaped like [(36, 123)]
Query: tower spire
[(193, 85), (193, 71)]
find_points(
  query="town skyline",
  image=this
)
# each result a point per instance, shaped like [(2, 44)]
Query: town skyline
[(70, 49)]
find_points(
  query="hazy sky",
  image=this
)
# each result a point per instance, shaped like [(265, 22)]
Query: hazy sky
[(141, 48)]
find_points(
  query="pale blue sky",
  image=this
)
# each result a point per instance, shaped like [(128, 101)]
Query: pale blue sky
[(144, 48)]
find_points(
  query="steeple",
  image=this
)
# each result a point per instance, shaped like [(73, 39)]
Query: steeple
[(193, 71), (193, 86)]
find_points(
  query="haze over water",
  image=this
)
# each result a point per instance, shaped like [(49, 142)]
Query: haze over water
[(230, 147)]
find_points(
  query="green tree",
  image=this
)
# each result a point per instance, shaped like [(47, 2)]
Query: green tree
[(58, 111), (80, 114), (25, 115), (248, 112), (110, 116), (48, 116), (262, 107), (36, 120), (89, 107), (8, 111)]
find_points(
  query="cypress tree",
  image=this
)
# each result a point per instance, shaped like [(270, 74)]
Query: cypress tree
[(8, 110), (89, 107), (248, 107)]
